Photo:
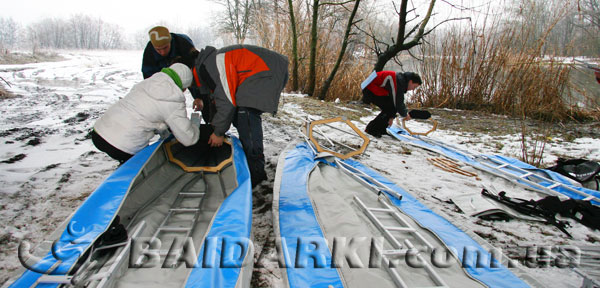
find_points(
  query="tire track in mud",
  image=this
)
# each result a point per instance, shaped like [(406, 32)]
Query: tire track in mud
[(277, 136), (51, 113), (43, 201)]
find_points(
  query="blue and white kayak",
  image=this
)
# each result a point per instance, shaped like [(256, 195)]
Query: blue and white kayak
[(171, 216), (341, 224), (536, 179)]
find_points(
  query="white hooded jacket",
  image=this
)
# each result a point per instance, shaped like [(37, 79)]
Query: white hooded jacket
[(151, 107)]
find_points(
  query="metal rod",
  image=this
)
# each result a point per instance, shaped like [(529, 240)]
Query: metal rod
[(336, 128), (360, 175), (223, 189)]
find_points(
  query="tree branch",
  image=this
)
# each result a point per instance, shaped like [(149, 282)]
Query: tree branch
[(335, 3), (447, 20)]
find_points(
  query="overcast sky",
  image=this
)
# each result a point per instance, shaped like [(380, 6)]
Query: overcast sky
[(132, 15), (136, 15)]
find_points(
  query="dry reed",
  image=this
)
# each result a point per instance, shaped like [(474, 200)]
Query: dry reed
[(274, 33), (495, 72)]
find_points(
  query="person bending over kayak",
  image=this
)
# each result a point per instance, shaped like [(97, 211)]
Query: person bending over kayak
[(153, 106)]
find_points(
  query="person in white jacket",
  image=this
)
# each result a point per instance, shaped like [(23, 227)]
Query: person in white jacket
[(151, 107)]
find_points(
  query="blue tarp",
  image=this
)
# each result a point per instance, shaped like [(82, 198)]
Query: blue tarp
[(90, 220), (457, 155)]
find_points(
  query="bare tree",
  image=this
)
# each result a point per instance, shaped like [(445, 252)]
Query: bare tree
[(111, 37), (590, 23), (32, 38), (54, 33), (314, 38), (406, 37), (8, 33), (294, 46), (79, 31), (342, 52), (590, 11), (539, 20), (237, 18), (312, 74), (201, 36)]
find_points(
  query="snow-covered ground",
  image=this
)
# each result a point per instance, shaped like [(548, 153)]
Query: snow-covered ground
[(48, 166)]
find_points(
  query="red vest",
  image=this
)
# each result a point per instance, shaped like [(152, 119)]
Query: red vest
[(377, 86)]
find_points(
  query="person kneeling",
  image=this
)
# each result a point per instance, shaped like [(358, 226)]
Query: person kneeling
[(153, 106)]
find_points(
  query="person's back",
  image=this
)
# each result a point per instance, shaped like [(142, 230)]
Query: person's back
[(244, 81), (386, 90), (151, 107), (383, 84), (242, 76)]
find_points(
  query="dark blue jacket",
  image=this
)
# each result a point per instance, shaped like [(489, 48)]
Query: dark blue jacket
[(181, 48)]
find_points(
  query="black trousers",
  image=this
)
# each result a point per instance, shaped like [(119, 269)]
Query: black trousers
[(208, 111), (378, 126), (249, 125), (109, 149)]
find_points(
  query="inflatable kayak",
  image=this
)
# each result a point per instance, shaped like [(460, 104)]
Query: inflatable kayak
[(171, 216)]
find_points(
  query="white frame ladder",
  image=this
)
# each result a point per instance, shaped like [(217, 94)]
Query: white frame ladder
[(497, 170), (178, 209), (366, 180), (80, 278), (398, 250), (527, 178)]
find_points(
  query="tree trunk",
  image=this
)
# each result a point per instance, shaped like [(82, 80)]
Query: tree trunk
[(312, 77), (399, 45), (329, 80), (294, 47)]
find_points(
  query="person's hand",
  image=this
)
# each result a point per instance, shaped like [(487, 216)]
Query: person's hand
[(390, 122), (198, 104), (407, 117), (215, 141)]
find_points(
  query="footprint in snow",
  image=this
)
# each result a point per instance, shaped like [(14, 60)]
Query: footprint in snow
[(14, 159)]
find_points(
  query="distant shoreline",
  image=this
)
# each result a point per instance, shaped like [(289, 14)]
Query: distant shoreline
[(7, 57)]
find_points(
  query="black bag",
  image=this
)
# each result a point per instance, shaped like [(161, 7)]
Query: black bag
[(419, 114), (582, 211), (531, 208), (548, 207), (581, 170)]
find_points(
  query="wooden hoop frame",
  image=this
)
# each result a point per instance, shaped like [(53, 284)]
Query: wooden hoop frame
[(212, 169), (362, 148), (434, 122)]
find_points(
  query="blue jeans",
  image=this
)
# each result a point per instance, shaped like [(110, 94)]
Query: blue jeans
[(249, 125)]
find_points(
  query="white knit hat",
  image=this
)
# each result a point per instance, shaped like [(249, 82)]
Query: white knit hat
[(185, 74)]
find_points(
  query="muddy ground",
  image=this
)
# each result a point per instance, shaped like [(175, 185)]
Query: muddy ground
[(55, 190)]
